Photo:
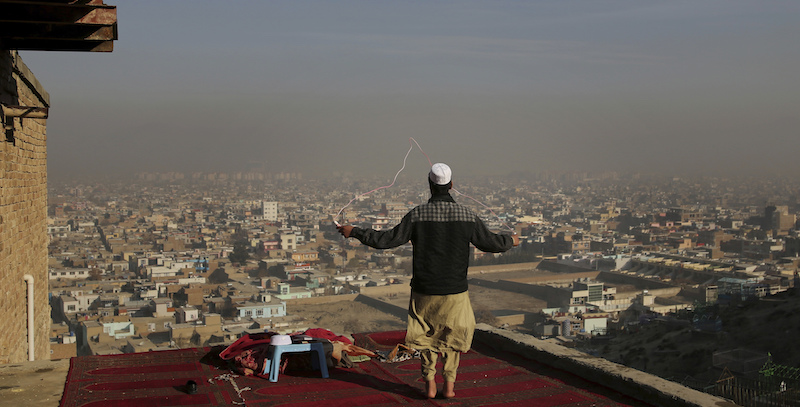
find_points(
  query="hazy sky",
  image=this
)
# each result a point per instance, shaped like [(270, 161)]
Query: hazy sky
[(489, 87)]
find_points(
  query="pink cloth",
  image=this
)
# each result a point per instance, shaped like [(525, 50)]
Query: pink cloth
[(244, 343), (326, 334)]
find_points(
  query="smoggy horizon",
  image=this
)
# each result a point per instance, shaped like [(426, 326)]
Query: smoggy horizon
[(676, 88)]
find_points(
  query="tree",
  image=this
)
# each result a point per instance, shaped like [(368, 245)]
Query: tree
[(195, 339), (278, 271), (240, 235), (326, 258), (260, 252), (239, 253), (263, 270)]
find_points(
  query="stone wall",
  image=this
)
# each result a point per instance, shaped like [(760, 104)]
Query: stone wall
[(23, 214), (319, 300), (651, 390), (499, 268), (636, 281)]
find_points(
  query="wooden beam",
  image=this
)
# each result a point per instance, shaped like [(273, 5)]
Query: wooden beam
[(25, 111), (48, 12), (16, 30), (57, 25), (56, 45)]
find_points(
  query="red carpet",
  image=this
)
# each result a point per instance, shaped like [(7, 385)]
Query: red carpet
[(156, 379)]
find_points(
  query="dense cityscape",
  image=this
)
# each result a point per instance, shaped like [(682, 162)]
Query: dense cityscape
[(167, 260)]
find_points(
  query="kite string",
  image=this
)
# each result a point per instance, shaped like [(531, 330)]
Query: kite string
[(410, 140), (430, 164), (485, 206)]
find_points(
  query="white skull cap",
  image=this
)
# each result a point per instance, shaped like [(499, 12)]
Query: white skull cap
[(440, 174)]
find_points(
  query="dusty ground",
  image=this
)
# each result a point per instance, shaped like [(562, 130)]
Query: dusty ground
[(348, 317), (34, 384), (499, 300)]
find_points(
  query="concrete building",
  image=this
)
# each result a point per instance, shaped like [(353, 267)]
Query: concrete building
[(186, 314), (161, 307), (288, 241), (287, 292), (97, 334), (305, 257), (274, 307), (269, 209), (68, 304), (71, 273), (783, 221), (73, 301), (197, 332), (590, 292)]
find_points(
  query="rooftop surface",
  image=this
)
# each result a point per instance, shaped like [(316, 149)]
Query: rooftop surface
[(36, 384), (503, 368)]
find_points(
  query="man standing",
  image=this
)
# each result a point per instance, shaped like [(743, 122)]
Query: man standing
[(440, 316)]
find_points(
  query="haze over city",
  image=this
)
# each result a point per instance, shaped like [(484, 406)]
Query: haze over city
[(226, 174), (488, 87)]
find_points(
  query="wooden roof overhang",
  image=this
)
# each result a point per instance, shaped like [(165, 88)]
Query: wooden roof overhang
[(57, 25)]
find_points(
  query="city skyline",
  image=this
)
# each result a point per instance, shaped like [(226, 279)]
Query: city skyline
[(318, 88)]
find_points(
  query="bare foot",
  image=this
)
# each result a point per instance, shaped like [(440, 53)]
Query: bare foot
[(448, 391), (430, 388)]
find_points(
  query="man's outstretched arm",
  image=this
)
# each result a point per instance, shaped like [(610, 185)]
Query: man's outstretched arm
[(385, 239)]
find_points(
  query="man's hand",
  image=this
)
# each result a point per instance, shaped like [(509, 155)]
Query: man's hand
[(515, 238), (345, 230)]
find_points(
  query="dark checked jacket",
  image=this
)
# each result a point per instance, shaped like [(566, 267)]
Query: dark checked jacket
[(441, 232)]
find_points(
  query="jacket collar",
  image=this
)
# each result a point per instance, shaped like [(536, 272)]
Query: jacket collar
[(442, 198)]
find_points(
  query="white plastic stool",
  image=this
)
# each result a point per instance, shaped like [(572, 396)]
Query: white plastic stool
[(274, 364)]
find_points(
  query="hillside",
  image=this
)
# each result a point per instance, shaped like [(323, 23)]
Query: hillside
[(677, 352)]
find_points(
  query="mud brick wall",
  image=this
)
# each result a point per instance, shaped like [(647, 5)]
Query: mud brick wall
[(23, 215)]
